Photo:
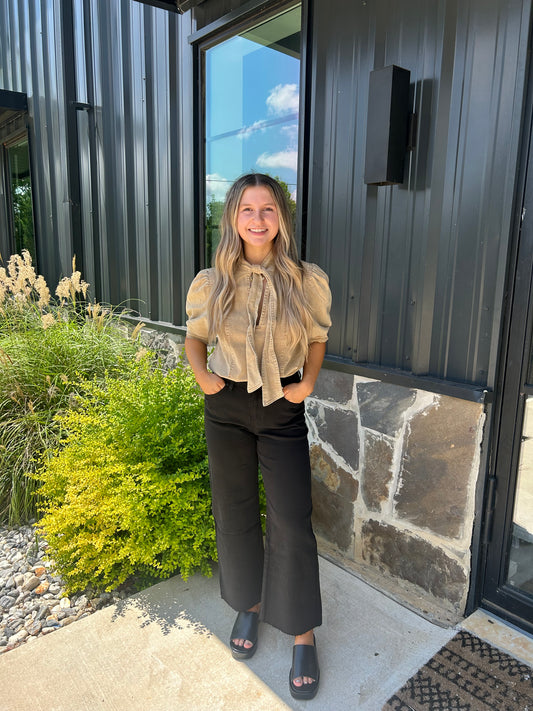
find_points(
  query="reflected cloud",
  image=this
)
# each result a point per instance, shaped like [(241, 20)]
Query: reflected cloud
[(247, 131), (283, 99), (216, 187), (283, 159)]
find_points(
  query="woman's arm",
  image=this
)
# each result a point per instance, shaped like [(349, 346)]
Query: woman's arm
[(197, 356), (297, 392)]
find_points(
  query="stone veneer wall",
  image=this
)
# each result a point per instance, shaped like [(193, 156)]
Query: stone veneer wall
[(394, 479)]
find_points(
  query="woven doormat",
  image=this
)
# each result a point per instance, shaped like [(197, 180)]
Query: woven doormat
[(467, 675)]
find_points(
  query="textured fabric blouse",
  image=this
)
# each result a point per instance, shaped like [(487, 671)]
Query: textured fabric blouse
[(252, 344)]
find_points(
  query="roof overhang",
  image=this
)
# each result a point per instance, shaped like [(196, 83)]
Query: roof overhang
[(180, 6), (12, 103)]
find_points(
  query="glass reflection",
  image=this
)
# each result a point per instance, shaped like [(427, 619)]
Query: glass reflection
[(520, 572), (21, 197), (252, 90)]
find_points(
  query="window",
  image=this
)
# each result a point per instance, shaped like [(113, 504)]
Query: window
[(252, 92), (19, 189)]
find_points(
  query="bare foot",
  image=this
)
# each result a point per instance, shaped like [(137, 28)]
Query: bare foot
[(309, 639), (245, 643)]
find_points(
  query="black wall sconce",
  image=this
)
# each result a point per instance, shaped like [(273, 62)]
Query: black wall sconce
[(389, 126)]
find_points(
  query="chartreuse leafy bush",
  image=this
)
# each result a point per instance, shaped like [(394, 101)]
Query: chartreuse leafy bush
[(46, 344), (127, 491)]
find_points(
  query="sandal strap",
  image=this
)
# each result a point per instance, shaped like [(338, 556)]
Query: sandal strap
[(245, 626), (305, 661)]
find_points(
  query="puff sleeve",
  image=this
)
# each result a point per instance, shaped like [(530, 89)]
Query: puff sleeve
[(318, 295), (196, 306)]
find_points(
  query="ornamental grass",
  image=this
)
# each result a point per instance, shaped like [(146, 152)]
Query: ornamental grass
[(47, 343)]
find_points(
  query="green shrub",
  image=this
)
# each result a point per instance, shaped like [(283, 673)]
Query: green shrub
[(45, 345), (128, 492)]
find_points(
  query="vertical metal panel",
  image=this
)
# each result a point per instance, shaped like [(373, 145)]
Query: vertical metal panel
[(30, 51), (417, 270), (129, 142), (136, 109)]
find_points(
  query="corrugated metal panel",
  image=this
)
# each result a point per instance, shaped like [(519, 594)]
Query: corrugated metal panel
[(135, 138), (121, 184), (417, 270)]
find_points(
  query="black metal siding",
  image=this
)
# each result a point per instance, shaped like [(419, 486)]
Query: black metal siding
[(417, 270), (127, 182)]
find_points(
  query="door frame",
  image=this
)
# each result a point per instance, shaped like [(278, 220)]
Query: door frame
[(511, 392)]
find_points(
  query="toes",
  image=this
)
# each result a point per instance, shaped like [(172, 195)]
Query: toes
[(301, 681), (242, 643)]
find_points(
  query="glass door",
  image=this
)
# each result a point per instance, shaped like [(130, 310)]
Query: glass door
[(508, 575), (520, 567)]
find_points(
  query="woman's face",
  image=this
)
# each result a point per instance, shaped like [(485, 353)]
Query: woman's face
[(257, 222)]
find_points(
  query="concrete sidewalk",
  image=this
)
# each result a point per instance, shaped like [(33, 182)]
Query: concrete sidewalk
[(166, 648)]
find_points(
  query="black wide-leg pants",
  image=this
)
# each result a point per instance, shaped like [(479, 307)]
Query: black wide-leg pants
[(282, 574)]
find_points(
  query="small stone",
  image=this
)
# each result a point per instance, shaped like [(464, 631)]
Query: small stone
[(18, 636), (54, 589), (82, 601), (39, 570), (34, 628), (42, 613), (6, 602), (64, 603), (19, 580), (31, 583), (42, 588)]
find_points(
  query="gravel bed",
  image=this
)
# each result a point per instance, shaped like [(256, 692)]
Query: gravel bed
[(33, 601)]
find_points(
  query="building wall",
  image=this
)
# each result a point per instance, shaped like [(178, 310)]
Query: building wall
[(110, 96), (395, 473), (417, 270)]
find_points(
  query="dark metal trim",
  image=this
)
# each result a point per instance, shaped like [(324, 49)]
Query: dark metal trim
[(14, 100), (463, 391), (91, 118), (180, 6), (233, 21), (304, 124), (71, 128), (489, 588)]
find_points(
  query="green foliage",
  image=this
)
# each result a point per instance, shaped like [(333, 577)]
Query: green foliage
[(23, 214), (213, 215), (128, 491), (44, 348)]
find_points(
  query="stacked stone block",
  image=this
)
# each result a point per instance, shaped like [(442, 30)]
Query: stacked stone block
[(394, 478)]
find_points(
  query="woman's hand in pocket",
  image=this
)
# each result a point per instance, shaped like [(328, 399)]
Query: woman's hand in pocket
[(211, 383), (296, 392)]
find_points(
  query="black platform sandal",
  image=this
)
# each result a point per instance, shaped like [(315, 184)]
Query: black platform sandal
[(304, 663), (245, 627)]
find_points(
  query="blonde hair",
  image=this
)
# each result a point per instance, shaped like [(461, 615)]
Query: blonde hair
[(287, 274)]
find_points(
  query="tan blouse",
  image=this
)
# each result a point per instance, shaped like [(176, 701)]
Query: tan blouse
[(252, 345)]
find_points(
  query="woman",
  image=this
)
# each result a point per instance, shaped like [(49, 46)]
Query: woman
[(267, 313)]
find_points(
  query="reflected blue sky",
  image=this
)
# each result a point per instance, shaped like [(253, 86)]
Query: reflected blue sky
[(252, 94)]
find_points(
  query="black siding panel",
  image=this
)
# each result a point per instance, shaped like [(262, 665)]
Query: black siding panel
[(417, 270)]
